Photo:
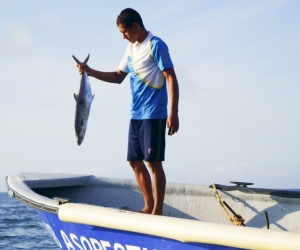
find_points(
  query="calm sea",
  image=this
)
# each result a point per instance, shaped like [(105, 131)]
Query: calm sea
[(21, 227)]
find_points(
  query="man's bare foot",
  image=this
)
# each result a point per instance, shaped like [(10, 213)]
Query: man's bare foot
[(146, 211), (157, 212)]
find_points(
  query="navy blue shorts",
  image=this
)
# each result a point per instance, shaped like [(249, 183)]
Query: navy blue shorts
[(146, 140)]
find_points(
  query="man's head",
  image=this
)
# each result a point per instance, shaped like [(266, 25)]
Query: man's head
[(128, 17), (131, 25)]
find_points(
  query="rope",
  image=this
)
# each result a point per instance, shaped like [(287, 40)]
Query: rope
[(235, 219)]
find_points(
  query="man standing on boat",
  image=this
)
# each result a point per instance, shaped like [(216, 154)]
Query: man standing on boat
[(148, 61)]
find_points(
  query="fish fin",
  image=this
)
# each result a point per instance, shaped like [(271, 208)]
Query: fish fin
[(86, 59), (76, 60), (75, 96), (93, 96)]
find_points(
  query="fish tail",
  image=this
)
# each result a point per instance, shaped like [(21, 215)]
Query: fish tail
[(85, 61)]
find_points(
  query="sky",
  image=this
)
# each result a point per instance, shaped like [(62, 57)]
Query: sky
[(237, 63)]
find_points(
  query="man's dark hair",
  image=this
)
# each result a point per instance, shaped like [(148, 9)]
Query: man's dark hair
[(128, 17)]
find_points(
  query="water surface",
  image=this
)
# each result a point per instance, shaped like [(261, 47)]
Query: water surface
[(21, 227)]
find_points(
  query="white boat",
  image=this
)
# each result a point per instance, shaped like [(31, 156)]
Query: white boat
[(93, 213)]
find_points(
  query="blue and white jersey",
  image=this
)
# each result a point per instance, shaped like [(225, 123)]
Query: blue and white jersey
[(145, 63)]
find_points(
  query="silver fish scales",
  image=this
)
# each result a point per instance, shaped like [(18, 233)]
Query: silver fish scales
[(83, 104)]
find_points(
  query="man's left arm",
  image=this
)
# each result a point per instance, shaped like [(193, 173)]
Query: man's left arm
[(173, 90)]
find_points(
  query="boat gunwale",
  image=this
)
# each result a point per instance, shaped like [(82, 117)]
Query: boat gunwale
[(31, 202)]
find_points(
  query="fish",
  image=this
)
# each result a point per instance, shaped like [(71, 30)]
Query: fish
[(84, 101)]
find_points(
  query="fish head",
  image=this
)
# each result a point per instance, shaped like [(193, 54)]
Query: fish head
[(80, 131), (79, 140), (80, 136)]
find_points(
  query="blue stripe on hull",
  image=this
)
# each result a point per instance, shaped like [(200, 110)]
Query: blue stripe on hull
[(71, 236)]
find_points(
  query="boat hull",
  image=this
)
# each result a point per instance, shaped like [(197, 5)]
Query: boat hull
[(86, 237), (88, 212)]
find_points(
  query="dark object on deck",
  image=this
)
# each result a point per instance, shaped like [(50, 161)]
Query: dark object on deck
[(243, 184), (267, 219), (264, 191), (234, 213), (61, 200)]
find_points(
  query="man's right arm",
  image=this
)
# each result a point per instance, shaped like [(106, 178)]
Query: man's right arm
[(113, 77)]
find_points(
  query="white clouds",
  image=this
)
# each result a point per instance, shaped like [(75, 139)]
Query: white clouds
[(17, 39)]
